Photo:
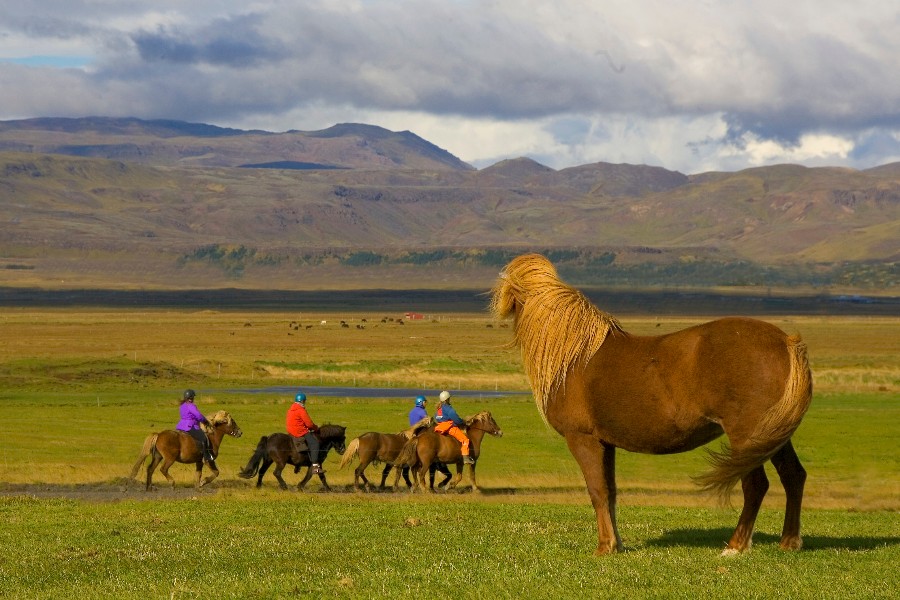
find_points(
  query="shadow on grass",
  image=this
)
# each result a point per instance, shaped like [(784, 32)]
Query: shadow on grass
[(721, 535)]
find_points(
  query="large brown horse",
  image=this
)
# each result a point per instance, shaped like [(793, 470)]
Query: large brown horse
[(602, 388), (277, 448), (380, 447), (429, 447), (171, 446)]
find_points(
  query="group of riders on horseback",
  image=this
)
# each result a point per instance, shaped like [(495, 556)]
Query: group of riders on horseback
[(302, 429)]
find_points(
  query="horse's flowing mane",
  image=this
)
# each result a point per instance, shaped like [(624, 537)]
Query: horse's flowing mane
[(218, 418), (555, 325), (478, 418), (414, 430)]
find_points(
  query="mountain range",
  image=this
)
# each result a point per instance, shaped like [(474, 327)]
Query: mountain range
[(128, 203)]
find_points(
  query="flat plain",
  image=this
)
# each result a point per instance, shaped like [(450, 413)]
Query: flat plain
[(81, 388)]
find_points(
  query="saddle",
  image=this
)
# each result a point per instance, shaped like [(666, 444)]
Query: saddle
[(300, 444)]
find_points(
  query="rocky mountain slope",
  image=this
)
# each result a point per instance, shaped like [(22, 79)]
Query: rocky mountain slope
[(164, 203)]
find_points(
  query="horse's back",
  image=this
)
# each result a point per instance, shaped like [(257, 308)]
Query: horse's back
[(713, 357), (676, 391), (434, 446), (382, 446)]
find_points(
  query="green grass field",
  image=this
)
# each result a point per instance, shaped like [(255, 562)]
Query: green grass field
[(79, 390)]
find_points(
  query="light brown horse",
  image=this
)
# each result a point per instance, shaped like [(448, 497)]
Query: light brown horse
[(171, 446), (379, 447), (602, 388), (429, 447)]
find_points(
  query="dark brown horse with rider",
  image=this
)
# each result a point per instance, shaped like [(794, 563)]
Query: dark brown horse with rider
[(277, 449)]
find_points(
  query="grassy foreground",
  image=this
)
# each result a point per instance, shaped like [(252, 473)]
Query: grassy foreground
[(283, 546), (80, 389)]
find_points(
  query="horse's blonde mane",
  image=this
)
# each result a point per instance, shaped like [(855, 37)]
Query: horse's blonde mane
[(413, 430), (478, 417), (218, 418), (555, 325)]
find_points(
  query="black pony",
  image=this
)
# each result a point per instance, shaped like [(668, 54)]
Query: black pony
[(277, 448)]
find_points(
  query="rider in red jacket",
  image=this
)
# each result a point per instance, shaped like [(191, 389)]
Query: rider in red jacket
[(301, 426)]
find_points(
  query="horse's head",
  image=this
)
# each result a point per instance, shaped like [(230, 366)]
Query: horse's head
[(485, 422), (224, 421), (555, 325), (516, 280), (334, 436)]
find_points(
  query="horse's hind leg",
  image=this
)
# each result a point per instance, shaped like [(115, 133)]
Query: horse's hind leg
[(793, 478), (279, 467), (154, 461), (755, 485), (266, 463), (164, 469)]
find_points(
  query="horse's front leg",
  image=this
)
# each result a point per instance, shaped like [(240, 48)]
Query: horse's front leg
[(598, 465), (472, 475), (214, 472)]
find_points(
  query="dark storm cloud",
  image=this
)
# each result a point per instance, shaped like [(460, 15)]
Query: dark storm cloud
[(235, 42)]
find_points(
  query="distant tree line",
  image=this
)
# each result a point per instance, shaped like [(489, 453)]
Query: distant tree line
[(578, 266)]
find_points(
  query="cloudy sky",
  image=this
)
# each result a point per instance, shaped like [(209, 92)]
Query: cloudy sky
[(690, 86)]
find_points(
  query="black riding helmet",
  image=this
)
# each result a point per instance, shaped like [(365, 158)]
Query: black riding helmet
[(188, 395)]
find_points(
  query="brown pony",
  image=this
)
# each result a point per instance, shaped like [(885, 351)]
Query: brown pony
[(428, 447), (171, 446), (277, 449), (380, 447), (602, 388)]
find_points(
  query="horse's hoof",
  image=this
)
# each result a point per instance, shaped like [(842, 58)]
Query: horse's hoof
[(791, 544), (730, 552), (604, 550)]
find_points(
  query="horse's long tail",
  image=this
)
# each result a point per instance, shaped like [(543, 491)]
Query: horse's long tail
[(252, 467), (772, 432), (149, 442), (351, 452), (407, 456)]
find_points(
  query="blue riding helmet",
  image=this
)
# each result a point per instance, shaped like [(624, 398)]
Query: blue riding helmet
[(420, 400), (301, 398)]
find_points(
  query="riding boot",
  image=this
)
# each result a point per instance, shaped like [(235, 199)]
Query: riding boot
[(317, 470)]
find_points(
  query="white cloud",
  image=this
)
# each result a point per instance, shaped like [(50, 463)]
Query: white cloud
[(687, 86)]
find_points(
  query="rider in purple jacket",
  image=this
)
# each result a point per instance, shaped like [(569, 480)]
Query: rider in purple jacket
[(191, 418)]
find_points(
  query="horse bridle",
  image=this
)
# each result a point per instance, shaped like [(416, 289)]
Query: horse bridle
[(495, 432)]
